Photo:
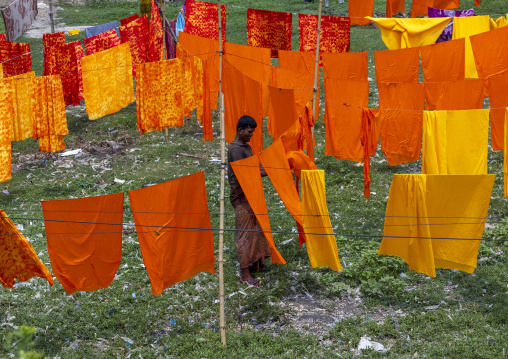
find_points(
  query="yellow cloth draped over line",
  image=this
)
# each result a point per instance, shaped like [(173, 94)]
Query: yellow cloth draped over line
[(107, 81), (322, 247), (506, 154), (455, 142), (469, 26), (424, 210), (7, 116), (404, 33)]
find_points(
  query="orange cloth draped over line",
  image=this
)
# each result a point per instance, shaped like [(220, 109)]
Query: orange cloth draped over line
[(394, 6), (457, 95), (15, 57), (174, 230), (334, 36), (444, 61), (22, 125), (425, 206), (7, 116), (137, 34), (400, 66), (202, 19), (50, 119), (371, 129), (249, 176), (242, 96), (155, 38), (401, 108), (107, 81), (297, 61), (490, 51), (498, 100), (358, 9), (101, 42), (297, 138), (421, 7), (84, 256), (207, 51), (269, 29), (346, 66), (273, 159), (18, 259), (159, 87)]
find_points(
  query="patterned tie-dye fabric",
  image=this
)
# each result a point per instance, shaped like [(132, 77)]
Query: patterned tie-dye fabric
[(50, 120), (192, 87), (2, 37), (18, 17), (12, 58), (126, 20), (22, 124), (65, 60), (446, 35), (107, 81), (137, 33), (17, 257), (159, 95), (7, 115), (101, 42), (202, 19), (155, 38), (335, 33), (269, 29), (50, 39)]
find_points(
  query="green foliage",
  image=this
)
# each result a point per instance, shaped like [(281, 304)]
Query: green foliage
[(20, 342)]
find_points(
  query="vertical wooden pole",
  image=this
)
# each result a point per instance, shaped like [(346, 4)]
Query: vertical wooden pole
[(51, 16), (316, 67), (222, 322)]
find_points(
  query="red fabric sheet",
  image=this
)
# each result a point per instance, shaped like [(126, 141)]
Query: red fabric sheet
[(126, 20), (101, 42), (137, 33), (269, 29), (50, 39), (335, 34), (18, 64), (155, 38), (202, 19)]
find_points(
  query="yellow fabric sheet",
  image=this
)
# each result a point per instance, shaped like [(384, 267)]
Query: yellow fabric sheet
[(321, 248), (465, 27), (497, 23), (424, 210), (7, 116), (107, 81), (404, 33), (506, 154), (22, 124), (455, 142)]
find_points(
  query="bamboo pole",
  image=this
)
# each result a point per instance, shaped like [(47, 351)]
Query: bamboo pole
[(316, 67), (50, 2), (222, 324)]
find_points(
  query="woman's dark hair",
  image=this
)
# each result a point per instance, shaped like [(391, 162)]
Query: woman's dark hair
[(246, 121)]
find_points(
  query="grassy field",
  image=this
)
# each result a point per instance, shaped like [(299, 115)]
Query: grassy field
[(299, 311)]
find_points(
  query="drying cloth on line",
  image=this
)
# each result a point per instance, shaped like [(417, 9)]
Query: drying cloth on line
[(248, 173), (498, 100), (446, 35), (137, 33), (322, 247), (394, 6), (51, 39), (401, 108), (399, 66), (174, 230), (454, 95), (7, 116), (101, 42), (498, 23), (469, 26), (169, 40), (359, 9), (18, 259), (297, 138), (490, 51), (269, 29), (404, 33), (107, 81), (99, 29), (346, 66), (334, 35), (15, 57), (297, 61), (444, 61), (202, 19), (18, 17), (22, 124), (421, 7), (156, 35), (84, 256), (371, 129), (435, 207), (126, 20), (455, 142)]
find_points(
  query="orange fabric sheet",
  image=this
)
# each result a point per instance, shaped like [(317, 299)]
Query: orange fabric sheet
[(401, 108), (297, 138), (358, 9), (457, 95), (490, 51), (22, 125), (249, 176), (18, 259), (159, 95), (84, 256), (343, 110), (101, 42), (346, 66), (297, 61), (394, 6), (7, 116), (371, 129), (274, 161), (498, 101), (174, 230), (444, 61), (421, 7), (400, 66)]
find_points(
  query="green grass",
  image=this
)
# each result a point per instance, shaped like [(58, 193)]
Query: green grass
[(469, 322)]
